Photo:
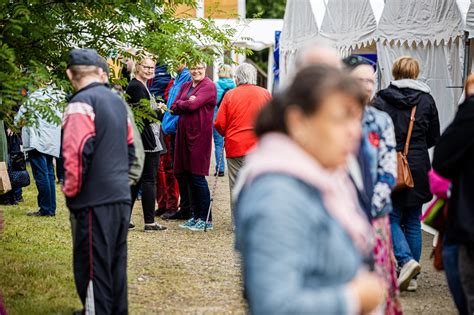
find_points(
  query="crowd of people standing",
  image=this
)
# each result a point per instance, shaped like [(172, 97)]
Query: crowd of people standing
[(312, 174)]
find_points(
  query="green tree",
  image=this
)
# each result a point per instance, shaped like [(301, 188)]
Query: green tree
[(36, 36), (266, 9)]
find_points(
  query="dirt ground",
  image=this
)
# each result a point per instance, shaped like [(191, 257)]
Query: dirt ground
[(183, 272)]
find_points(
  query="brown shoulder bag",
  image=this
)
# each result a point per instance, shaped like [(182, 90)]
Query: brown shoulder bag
[(404, 177)]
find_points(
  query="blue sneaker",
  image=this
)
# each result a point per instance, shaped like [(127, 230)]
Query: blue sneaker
[(201, 225), (188, 224)]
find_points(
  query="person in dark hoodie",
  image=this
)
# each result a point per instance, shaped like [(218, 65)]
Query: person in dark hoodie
[(398, 100), (452, 159)]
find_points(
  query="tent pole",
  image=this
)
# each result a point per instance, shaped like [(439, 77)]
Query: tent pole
[(270, 74), (467, 44)]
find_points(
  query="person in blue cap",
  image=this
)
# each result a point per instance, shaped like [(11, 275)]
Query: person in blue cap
[(98, 151)]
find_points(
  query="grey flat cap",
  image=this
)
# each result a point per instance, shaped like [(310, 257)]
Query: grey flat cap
[(83, 57)]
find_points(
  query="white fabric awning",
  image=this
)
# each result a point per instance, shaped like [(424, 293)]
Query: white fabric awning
[(299, 25), (350, 24), (255, 34), (420, 22)]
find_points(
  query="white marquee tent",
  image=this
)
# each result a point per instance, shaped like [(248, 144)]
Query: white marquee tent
[(430, 30)]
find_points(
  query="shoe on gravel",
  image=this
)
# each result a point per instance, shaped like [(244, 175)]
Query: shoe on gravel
[(160, 211), (407, 273), (179, 215), (154, 227), (188, 224), (39, 214), (201, 226), (413, 286)]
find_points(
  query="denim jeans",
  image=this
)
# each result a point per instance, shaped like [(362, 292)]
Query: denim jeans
[(406, 233), (43, 173), (451, 268), (218, 147), (466, 273), (196, 190)]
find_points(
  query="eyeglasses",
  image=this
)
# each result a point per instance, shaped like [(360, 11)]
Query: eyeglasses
[(197, 69), (147, 67)]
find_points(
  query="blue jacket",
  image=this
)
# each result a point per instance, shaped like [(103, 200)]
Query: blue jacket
[(296, 258), (222, 85), (160, 81), (170, 121)]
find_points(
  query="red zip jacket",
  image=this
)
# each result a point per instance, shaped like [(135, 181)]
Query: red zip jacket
[(236, 118)]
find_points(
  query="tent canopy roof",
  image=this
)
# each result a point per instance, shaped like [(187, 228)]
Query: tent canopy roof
[(349, 23), (299, 25), (422, 21)]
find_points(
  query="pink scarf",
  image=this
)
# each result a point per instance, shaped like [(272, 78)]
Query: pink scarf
[(277, 153)]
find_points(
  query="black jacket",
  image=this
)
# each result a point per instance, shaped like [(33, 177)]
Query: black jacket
[(97, 148), (137, 91), (454, 159), (398, 103)]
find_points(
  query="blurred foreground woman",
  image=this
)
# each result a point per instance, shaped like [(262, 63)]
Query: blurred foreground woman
[(302, 236)]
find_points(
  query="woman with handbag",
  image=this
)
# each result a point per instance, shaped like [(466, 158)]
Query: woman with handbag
[(137, 90), (413, 110)]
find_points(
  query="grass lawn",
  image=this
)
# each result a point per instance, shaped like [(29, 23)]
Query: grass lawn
[(36, 259)]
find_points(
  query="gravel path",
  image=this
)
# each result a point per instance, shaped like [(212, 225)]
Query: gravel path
[(183, 272)]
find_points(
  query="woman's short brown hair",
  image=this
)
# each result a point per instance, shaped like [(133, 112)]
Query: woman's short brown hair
[(405, 67), (469, 81)]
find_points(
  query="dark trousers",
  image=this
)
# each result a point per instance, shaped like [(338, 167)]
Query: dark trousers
[(42, 168), (100, 257), (451, 267), (60, 168), (167, 190), (466, 273), (194, 188), (148, 184)]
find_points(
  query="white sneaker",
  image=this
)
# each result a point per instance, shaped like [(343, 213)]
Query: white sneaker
[(408, 271), (412, 286)]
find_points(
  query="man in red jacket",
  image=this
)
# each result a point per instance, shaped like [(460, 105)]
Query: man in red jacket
[(236, 116)]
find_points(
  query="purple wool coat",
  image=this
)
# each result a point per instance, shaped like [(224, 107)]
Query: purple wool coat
[(194, 132)]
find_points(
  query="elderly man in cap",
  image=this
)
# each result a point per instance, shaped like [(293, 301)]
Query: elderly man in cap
[(98, 151)]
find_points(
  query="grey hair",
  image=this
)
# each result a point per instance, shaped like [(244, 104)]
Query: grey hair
[(246, 74), (315, 53), (225, 71)]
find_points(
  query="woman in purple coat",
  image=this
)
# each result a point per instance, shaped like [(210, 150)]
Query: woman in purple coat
[(192, 157)]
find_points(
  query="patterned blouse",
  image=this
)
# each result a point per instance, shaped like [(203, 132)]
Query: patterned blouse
[(380, 147)]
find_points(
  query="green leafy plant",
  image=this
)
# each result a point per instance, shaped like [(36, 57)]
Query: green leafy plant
[(36, 36)]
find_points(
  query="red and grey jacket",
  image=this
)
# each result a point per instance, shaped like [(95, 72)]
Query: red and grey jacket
[(97, 148)]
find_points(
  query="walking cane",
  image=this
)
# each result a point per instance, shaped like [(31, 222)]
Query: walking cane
[(221, 157)]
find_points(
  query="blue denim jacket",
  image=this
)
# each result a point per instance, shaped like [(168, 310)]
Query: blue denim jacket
[(296, 258)]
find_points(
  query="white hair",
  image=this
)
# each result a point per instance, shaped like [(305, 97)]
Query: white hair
[(246, 74), (318, 52), (225, 71)]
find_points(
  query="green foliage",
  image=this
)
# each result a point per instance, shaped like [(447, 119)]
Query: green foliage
[(36, 36), (266, 9)]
